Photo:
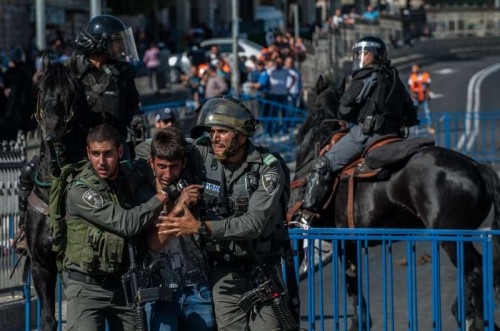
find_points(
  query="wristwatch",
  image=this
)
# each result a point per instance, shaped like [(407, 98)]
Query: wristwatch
[(202, 229)]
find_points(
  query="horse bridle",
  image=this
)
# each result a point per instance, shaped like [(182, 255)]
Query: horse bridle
[(39, 111), (53, 142)]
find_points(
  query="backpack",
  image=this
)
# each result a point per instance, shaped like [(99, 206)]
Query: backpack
[(57, 209)]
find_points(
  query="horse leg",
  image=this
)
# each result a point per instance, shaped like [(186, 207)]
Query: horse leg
[(43, 267), (358, 301), (44, 279), (473, 286)]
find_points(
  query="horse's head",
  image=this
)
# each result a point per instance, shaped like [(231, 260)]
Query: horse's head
[(61, 111), (321, 121), (60, 102), (315, 133)]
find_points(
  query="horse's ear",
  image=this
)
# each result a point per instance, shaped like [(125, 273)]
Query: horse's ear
[(341, 87), (321, 84)]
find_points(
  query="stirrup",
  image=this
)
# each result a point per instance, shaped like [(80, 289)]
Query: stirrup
[(302, 219)]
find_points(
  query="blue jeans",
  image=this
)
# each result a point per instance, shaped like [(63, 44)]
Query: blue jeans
[(191, 309), (427, 112)]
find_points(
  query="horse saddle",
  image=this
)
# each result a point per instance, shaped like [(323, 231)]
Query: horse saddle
[(377, 157), (374, 164)]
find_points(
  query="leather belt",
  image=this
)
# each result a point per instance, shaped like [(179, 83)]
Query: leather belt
[(109, 281)]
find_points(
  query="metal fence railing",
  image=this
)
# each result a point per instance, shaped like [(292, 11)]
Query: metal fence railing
[(407, 282), (12, 157), (473, 134)]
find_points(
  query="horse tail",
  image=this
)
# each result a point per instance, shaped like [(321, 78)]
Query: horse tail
[(492, 181)]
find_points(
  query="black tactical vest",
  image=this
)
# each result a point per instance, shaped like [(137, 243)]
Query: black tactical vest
[(222, 202), (106, 91)]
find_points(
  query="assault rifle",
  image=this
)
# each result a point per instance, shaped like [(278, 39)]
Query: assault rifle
[(139, 287), (269, 291)]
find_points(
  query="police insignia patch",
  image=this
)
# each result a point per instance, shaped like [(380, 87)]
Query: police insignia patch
[(92, 198), (270, 181)]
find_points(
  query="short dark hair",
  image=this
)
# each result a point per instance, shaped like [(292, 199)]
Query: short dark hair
[(104, 132), (168, 144)]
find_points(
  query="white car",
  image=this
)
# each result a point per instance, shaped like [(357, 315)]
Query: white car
[(182, 62)]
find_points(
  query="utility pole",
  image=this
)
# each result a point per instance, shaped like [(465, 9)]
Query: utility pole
[(41, 40), (235, 72), (95, 8), (295, 12)]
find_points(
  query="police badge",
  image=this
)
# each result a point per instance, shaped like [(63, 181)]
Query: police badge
[(92, 198), (270, 181)]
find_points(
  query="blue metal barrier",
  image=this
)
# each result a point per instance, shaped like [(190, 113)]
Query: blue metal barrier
[(396, 291), (473, 134), (392, 278)]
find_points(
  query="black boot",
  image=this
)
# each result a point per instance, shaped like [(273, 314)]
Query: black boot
[(319, 182)]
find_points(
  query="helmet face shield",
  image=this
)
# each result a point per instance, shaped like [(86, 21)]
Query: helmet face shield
[(122, 47), (107, 35), (365, 53)]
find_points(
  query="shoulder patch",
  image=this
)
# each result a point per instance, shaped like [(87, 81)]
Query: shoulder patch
[(270, 159), (92, 198), (270, 181)]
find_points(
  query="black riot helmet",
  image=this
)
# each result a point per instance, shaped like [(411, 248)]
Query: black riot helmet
[(369, 44), (107, 35), (226, 112)]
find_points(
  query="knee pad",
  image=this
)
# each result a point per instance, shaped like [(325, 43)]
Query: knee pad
[(319, 182)]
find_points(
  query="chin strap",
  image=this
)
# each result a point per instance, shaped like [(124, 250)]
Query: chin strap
[(230, 151)]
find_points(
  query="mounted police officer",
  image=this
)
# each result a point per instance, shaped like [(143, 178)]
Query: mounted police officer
[(104, 50), (375, 104), (244, 223), (102, 212)]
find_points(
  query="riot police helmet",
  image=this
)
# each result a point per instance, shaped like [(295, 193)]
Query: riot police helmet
[(107, 35), (368, 50), (227, 112)]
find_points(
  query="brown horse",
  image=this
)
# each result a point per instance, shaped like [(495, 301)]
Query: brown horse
[(433, 187)]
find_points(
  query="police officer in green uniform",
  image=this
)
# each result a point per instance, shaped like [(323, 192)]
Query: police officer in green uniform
[(102, 210), (244, 217), (104, 50)]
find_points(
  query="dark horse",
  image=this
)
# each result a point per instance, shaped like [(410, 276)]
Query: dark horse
[(61, 113), (434, 188)]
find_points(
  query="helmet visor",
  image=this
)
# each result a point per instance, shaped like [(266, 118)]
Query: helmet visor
[(122, 46), (364, 54), (224, 113)]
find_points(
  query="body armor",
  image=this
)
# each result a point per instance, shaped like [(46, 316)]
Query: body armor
[(107, 92), (222, 202), (91, 247)]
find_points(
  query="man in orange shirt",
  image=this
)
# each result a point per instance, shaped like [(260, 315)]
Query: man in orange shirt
[(419, 83)]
